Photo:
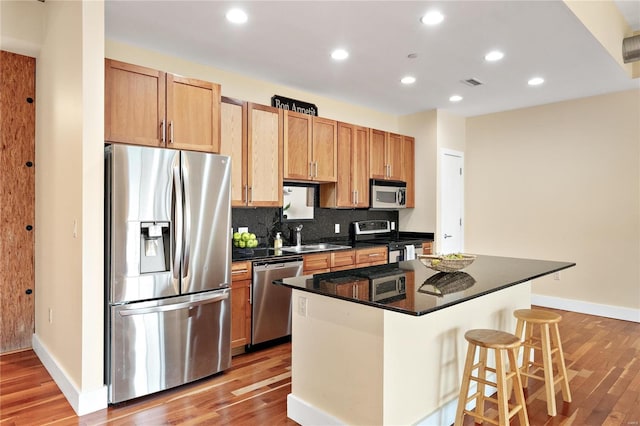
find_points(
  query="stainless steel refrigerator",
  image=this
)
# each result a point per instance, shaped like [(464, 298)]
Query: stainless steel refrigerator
[(168, 268)]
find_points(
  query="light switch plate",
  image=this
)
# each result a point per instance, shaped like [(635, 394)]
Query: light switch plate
[(242, 229)]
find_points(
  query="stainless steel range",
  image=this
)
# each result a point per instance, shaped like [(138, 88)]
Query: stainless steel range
[(380, 232)]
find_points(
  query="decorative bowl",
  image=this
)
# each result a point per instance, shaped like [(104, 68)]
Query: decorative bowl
[(447, 262)]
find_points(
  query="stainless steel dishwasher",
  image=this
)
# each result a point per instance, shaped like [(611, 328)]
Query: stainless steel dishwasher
[(270, 303)]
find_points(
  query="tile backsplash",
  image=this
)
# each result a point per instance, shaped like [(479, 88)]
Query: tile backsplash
[(265, 222)]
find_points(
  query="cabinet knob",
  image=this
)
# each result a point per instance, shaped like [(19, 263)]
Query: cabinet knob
[(29, 227), (29, 164), (29, 291)]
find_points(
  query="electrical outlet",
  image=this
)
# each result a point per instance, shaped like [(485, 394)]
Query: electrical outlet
[(556, 276), (337, 228), (242, 229), (393, 226), (302, 306)]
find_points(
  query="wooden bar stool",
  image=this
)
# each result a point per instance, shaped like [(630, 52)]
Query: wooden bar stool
[(500, 342), (548, 344)]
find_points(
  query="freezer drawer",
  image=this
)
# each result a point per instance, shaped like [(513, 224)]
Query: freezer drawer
[(161, 344)]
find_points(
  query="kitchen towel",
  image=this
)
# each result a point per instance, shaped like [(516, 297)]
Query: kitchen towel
[(410, 252)]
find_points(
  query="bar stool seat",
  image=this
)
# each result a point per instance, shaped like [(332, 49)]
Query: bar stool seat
[(500, 342), (550, 348)]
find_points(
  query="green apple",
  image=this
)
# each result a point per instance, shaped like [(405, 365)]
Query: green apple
[(242, 244), (236, 235), (245, 236), (252, 236)]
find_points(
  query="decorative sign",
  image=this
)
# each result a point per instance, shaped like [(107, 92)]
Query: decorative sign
[(294, 105)]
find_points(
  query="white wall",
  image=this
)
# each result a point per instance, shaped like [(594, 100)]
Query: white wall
[(562, 182), (69, 187), (21, 26), (424, 127)]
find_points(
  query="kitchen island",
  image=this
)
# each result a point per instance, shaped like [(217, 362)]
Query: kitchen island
[(385, 344)]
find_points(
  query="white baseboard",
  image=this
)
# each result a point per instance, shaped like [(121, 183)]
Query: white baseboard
[(608, 311), (304, 413), (81, 402)]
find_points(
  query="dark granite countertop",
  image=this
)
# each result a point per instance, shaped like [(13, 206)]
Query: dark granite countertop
[(425, 290), (259, 253)]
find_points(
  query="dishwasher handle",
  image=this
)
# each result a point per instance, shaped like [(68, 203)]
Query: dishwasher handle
[(277, 264)]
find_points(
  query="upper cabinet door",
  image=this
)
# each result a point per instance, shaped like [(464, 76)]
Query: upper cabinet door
[(134, 104), (233, 142), (408, 169), (193, 114), (352, 187), (264, 161), (377, 154), (297, 146), (345, 195), (394, 156), (324, 150), (360, 161)]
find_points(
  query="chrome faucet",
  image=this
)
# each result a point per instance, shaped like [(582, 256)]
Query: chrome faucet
[(298, 230)]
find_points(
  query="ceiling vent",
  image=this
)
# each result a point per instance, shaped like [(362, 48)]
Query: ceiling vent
[(472, 82), (631, 49)]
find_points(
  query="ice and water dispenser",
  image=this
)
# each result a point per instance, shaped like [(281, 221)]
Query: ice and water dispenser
[(154, 247)]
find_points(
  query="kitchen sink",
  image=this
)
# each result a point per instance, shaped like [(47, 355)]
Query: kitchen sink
[(309, 248)]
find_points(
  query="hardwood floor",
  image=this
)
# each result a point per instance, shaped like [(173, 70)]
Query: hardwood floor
[(602, 356)]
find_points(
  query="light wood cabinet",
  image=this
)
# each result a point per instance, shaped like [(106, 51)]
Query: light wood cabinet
[(240, 304), (310, 148), (316, 263), (351, 189), (427, 247), (408, 170), (343, 259), (233, 142), (385, 155), (252, 136), (148, 107), (371, 256)]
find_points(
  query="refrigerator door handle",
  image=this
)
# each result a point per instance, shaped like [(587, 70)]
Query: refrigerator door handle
[(174, 306), (177, 220), (187, 217)]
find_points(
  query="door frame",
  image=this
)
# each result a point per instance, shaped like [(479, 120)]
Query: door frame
[(440, 210)]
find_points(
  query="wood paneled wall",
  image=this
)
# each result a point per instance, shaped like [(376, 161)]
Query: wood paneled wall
[(17, 200)]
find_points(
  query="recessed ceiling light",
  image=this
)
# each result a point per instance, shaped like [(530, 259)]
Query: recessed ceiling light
[(236, 16), (535, 81), (432, 18), (455, 98), (408, 80), (494, 55), (339, 54)]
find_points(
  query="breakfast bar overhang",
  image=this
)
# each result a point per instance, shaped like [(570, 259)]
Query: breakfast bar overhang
[(385, 345)]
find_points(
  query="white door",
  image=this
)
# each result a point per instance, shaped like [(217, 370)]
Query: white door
[(451, 235)]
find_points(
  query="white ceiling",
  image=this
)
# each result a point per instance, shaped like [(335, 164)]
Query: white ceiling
[(289, 42)]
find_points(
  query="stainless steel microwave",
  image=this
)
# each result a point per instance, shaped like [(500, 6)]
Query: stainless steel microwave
[(387, 194)]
